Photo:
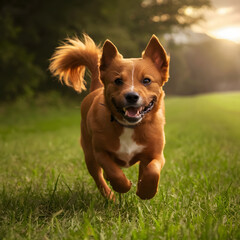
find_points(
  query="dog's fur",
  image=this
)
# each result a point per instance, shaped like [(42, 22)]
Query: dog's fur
[(123, 115)]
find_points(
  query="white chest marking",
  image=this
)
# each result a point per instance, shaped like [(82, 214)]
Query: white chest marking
[(128, 147)]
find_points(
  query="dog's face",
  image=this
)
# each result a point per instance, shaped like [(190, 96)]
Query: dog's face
[(133, 86)]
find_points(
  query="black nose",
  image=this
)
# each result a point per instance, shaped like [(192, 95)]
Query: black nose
[(131, 97)]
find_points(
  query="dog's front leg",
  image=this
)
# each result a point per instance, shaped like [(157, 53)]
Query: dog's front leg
[(115, 175), (149, 175)]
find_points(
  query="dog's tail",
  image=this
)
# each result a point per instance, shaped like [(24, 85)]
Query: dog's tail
[(69, 62)]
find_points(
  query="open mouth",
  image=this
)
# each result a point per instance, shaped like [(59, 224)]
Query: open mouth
[(134, 114)]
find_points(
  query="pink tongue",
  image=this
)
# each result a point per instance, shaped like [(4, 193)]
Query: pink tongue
[(132, 112)]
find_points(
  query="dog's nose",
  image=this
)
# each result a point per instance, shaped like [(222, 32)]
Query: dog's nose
[(132, 97)]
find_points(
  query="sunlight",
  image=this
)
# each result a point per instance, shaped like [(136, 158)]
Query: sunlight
[(229, 33), (224, 10)]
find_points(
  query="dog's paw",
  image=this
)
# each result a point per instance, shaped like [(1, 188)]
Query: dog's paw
[(148, 186), (108, 193), (121, 186)]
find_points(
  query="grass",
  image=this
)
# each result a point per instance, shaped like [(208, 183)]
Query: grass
[(47, 193)]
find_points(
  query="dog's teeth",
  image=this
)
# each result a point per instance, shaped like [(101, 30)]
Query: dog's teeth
[(124, 109)]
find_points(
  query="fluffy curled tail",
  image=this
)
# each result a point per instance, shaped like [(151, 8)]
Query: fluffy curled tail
[(69, 61)]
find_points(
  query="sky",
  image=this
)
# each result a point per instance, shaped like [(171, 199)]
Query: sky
[(222, 21)]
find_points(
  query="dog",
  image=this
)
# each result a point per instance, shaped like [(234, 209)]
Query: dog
[(123, 116)]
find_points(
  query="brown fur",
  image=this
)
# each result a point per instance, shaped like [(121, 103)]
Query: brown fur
[(104, 127)]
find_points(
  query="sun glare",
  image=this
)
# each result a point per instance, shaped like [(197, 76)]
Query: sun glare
[(229, 33), (224, 10)]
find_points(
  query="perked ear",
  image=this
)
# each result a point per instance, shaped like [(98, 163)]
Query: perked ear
[(156, 53), (109, 52)]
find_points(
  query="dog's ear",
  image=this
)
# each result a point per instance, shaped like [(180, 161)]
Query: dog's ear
[(159, 57), (109, 52), (156, 53)]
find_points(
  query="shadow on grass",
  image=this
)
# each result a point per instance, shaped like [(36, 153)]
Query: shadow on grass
[(44, 204), (39, 204)]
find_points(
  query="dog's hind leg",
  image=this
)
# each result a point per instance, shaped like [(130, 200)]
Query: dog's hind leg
[(96, 172), (94, 168)]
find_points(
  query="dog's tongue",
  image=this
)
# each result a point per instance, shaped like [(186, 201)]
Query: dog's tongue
[(132, 112)]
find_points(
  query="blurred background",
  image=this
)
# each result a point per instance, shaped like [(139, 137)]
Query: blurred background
[(201, 36)]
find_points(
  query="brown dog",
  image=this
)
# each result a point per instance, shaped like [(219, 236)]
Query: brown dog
[(123, 115)]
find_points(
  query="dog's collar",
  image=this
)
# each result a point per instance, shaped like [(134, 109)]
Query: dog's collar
[(122, 124)]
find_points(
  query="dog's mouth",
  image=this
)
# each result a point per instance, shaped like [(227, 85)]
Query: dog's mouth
[(134, 113)]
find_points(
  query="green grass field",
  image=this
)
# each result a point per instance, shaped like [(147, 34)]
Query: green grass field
[(47, 193)]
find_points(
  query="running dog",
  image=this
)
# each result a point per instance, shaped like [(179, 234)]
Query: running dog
[(123, 116)]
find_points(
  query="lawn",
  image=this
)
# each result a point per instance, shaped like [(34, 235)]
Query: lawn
[(47, 193)]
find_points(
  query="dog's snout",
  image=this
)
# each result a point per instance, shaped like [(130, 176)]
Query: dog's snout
[(132, 97)]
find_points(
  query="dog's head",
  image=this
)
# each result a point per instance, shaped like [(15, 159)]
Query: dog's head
[(133, 87)]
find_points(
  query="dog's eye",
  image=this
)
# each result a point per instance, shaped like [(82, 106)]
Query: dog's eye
[(118, 81), (146, 81)]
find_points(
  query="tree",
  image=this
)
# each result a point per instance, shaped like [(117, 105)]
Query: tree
[(31, 29), (207, 66)]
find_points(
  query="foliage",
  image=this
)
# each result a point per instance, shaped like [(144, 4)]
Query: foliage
[(30, 31), (47, 193), (211, 65)]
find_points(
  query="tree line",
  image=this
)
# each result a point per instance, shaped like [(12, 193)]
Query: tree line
[(31, 30)]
